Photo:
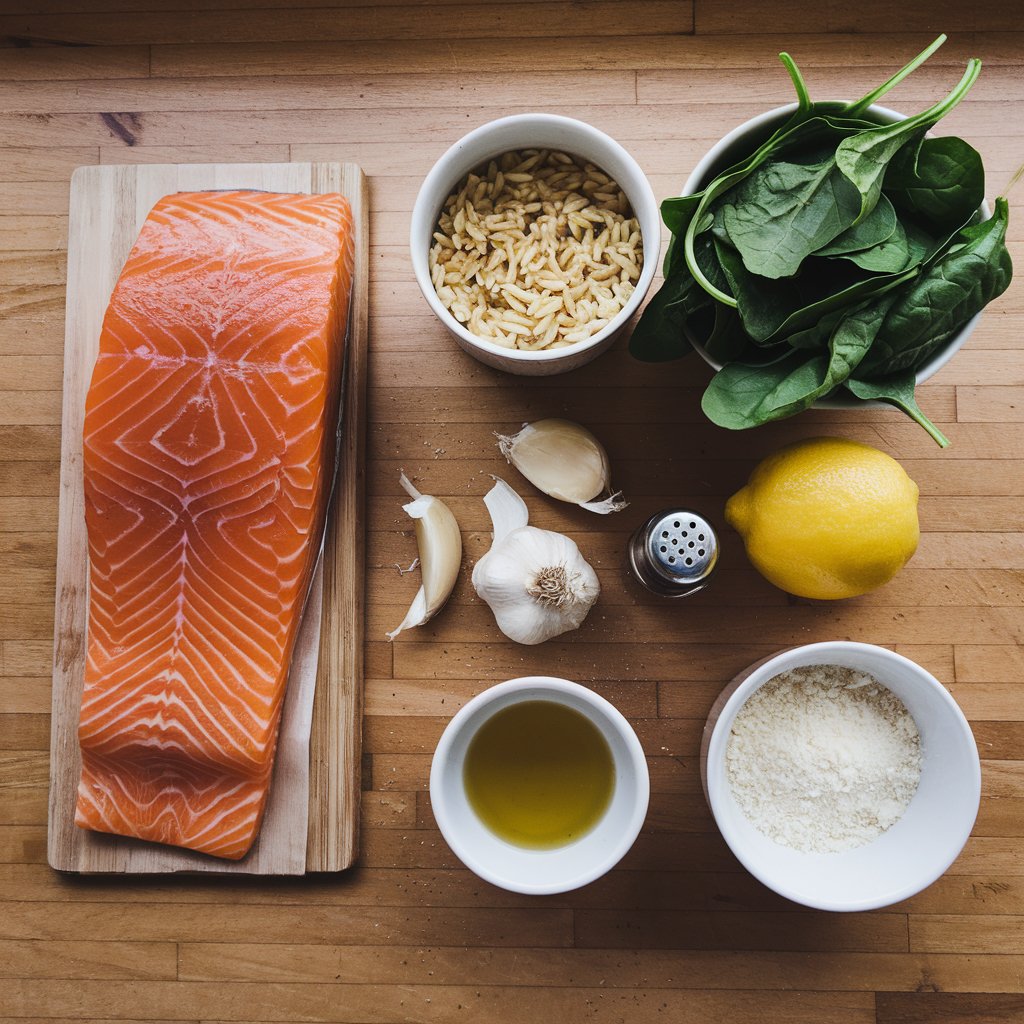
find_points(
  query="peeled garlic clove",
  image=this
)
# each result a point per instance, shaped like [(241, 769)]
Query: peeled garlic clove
[(536, 582), (565, 461), (440, 555)]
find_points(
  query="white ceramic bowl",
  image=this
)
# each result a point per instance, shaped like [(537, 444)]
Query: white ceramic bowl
[(902, 861), (539, 871), (742, 141), (534, 131)]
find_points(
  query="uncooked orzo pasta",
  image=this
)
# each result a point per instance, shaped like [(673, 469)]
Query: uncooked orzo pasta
[(538, 250)]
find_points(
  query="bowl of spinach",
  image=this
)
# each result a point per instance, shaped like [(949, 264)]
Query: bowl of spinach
[(828, 253)]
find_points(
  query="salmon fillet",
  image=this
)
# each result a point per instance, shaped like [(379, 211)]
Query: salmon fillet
[(209, 446)]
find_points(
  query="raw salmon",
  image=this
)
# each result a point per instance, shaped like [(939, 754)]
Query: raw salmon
[(209, 452)]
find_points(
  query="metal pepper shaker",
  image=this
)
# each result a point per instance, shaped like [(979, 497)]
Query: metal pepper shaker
[(674, 553)]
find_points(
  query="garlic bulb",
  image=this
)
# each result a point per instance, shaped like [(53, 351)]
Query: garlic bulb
[(536, 582), (440, 547), (565, 461)]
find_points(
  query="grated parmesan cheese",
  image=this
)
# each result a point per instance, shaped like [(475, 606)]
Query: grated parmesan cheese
[(823, 758)]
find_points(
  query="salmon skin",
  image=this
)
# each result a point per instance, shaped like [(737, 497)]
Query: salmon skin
[(209, 450)]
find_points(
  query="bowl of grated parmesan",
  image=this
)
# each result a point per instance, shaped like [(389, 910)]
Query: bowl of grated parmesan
[(842, 775)]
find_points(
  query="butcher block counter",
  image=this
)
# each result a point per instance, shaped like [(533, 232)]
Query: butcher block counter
[(679, 931)]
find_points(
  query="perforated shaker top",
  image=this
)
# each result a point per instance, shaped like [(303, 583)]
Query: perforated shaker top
[(682, 547)]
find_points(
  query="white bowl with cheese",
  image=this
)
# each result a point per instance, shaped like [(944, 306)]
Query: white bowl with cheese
[(908, 856)]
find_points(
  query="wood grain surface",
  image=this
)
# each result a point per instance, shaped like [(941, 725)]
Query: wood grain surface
[(311, 821), (679, 932)]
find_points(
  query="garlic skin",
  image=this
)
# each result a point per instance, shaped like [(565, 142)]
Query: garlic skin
[(440, 555), (565, 461), (536, 582)]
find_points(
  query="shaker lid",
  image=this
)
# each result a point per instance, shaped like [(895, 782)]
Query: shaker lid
[(681, 547)]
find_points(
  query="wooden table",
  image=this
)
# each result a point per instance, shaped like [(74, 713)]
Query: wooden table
[(679, 932)]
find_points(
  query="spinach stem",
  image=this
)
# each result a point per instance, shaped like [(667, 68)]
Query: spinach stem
[(803, 97), (692, 230), (854, 109), (913, 410), (936, 113)]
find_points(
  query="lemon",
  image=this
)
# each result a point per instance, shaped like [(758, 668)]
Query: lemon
[(827, 518)]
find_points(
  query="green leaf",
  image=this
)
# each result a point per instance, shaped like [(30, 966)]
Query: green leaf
[(874, 229), (941, 182), (852, 340), (888, 257), (728, 340), (773, 311), (854, 295), (762, 306), (897, 390), (817, 335), (676, 211), (741, 396), (796, 132), (864, 157), (921, 244), (782, 212), (658, 336), (958, 282)]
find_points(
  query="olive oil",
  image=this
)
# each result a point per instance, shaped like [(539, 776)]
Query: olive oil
[(539, 774)]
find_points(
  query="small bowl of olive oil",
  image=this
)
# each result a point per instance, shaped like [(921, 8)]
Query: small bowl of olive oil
[(539, 785)]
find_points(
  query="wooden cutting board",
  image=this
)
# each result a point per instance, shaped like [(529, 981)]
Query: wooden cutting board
[(311, 823)]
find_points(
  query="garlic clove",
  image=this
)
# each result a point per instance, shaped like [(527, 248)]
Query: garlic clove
[(440, 555), (536, 582), (564, 460), (507, 510)]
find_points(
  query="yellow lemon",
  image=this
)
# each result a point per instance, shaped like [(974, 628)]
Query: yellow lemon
[(827, 518)]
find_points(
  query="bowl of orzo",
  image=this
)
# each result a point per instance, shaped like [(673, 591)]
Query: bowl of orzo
[(534, 240)]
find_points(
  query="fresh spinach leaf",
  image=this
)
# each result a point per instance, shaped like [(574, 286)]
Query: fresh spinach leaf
[(874, 229), (941, 181), (817, 335), (699, 326), (807, 316), (772, 311), (677, 211), (864, 157), (959, 282), (741, 396), (658, 335), (897, 390), (728, 340), (762, 306), (921, 244), (782, 212), (888, 257), (804, 132)]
